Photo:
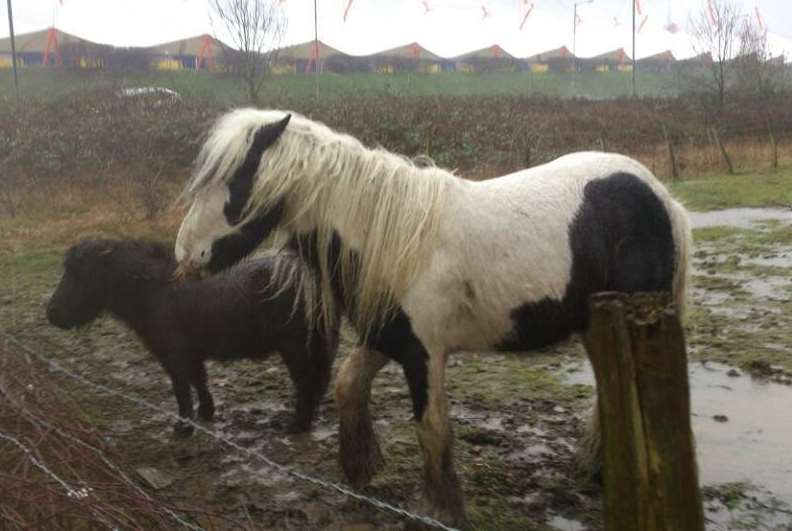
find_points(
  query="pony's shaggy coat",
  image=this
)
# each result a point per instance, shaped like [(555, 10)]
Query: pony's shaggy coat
[(428, 263), (249, 311)]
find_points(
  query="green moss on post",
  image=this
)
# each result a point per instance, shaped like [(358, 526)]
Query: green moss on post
[(637, 348)]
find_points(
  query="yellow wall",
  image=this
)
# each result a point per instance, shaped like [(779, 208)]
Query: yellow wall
[(92, 62), (167, 64), (430, 68), (5, 61), (280, 69), (625, 68), (601, 68), (539, 67), (385, 69)]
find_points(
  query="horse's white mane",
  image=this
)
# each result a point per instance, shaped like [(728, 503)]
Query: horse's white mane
[(328, 180)]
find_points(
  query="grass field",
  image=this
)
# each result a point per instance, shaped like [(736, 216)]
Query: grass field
[(768, 189), (50, 83)]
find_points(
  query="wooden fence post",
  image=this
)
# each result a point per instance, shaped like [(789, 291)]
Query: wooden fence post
[(724, 155), (637, 347), (773, 143), (603, 143), (428, 139), (671, 156)]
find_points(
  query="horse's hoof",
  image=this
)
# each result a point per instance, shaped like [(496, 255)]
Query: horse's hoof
[(452, 516), (362, 464), (182, 430), (206, 413)]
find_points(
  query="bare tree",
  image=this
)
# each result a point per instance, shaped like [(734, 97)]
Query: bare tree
[(716, 34), (758, 73), (256, 28)]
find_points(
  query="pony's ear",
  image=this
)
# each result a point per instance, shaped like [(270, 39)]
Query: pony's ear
[(266, 136)]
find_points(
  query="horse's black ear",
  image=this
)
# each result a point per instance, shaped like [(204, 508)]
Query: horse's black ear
[(266, 136), (242, 182)]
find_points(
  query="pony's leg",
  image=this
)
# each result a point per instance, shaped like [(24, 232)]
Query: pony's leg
[(309, 369), (360, 453), (181, 388), (442, 496), (206, 407)]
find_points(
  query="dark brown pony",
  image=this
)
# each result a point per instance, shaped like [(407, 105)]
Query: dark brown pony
[(230, 316)]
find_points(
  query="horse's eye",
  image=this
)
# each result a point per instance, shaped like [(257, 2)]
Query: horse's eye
[(203, 253)]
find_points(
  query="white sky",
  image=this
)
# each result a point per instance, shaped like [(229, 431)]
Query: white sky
[(449, 28)]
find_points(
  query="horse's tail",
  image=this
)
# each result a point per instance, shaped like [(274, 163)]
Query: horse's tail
[(683, 243)]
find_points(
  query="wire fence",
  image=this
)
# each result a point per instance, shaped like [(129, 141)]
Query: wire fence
[(80, 484), (56, 366)]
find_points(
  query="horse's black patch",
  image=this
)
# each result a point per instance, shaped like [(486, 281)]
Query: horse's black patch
[(395, 339), (621, 240), (230, 249), (241, 183)]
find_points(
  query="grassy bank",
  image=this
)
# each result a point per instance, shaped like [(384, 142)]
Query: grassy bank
[(765, 189), (52, 83)]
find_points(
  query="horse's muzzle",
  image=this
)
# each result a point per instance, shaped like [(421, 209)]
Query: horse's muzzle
[(187, 271)]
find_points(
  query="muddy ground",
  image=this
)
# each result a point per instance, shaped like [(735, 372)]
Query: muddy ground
[(517, 417)]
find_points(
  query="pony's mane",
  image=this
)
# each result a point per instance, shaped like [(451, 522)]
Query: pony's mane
[(328, 180), (139, 259)]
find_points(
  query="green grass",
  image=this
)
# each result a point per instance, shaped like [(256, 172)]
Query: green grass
[(51, 83), (742, 190)]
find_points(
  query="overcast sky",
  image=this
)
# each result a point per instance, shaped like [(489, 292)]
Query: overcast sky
[(449, 27)]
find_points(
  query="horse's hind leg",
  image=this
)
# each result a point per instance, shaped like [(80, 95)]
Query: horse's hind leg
[(588, 458), (360, 453), (442, 497)]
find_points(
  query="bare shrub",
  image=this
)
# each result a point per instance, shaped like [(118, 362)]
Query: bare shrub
[(256, 28), (715, 30)]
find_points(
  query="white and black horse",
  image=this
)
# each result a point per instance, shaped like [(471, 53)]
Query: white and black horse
[(425, 263)]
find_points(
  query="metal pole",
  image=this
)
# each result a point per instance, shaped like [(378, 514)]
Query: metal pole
[(574, 37), (13, 49), (316, 52), (635, 63), (574, 31)]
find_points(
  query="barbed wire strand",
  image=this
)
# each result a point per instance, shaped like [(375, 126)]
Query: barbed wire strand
[(374, 502), (38, 420), (38, 463)]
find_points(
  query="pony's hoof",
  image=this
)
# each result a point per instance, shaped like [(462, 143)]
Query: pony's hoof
[(206, 413), (298, 426), (182, 430)]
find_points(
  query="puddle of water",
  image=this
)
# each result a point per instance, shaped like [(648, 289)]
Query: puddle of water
[(780, 260), (565, 524), (744, 218), (753, 444)]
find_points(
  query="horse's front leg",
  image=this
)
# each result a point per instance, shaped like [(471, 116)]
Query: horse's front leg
[(442, 495), (360, 453)]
